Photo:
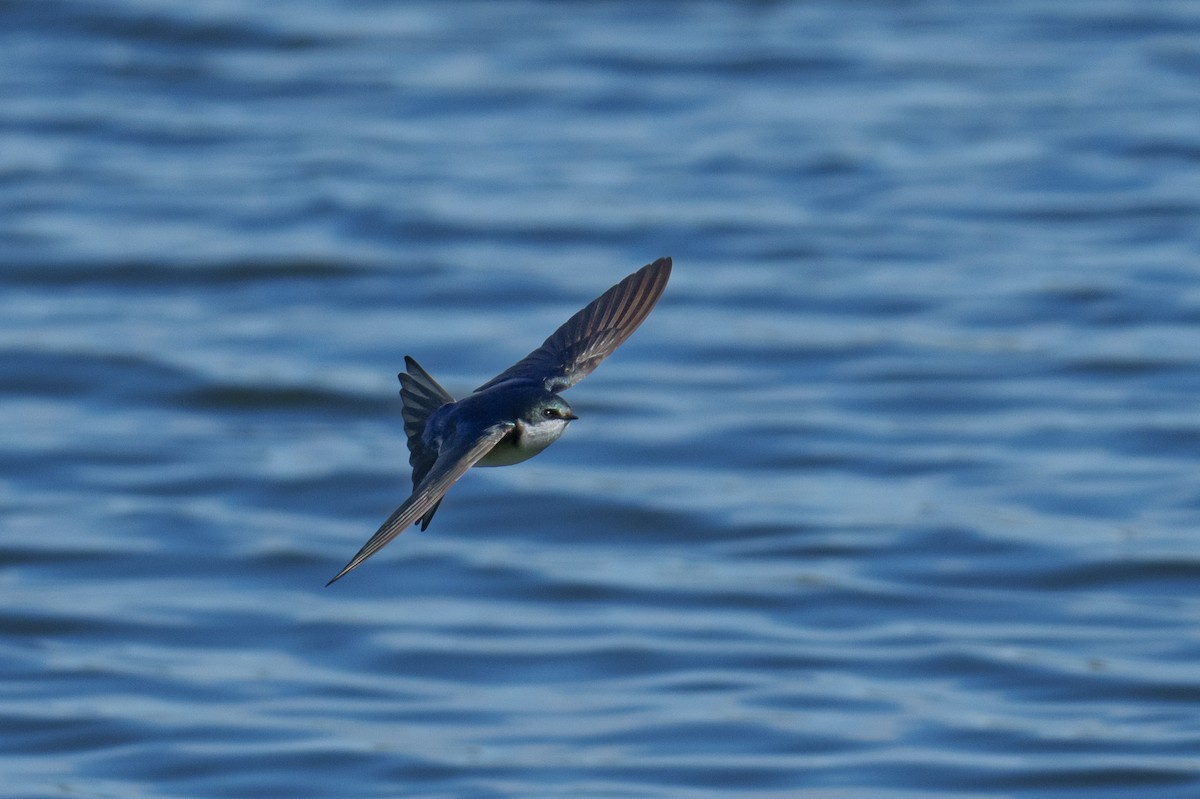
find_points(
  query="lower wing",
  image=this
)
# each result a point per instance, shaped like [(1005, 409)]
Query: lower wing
[(451, 464)]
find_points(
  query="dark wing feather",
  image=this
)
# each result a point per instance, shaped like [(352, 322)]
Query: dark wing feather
[(450, 465), (590, 336)]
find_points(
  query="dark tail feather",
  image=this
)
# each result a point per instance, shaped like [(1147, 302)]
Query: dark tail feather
[(420, 395)]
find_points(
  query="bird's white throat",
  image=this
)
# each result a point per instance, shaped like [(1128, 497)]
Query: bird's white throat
[(525, 441)]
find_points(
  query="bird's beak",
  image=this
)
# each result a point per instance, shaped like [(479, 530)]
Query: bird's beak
[(570, 417)]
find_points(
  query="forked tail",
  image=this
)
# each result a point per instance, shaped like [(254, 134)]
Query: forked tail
[(420, 395)]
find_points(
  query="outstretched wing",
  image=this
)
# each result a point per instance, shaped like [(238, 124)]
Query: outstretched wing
[(451, 464), (590, 336)]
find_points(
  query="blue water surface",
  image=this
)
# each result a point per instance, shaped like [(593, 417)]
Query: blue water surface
[(894, 495)]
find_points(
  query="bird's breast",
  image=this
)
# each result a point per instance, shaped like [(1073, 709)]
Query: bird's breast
[(521, 444)]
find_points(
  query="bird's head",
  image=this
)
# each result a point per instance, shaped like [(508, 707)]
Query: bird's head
[(550, 408)]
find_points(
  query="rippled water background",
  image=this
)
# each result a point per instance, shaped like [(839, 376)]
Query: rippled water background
[(895, 495)]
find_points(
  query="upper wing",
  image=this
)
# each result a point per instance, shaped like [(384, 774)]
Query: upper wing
[(453, 462), (590, 336)]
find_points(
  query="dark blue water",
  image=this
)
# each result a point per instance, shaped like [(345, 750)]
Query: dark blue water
[(894, 495)]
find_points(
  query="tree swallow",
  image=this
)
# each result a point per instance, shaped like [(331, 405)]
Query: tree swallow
[(516, 414)]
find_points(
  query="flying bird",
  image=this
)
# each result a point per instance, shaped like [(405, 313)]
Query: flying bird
[(516, 414)]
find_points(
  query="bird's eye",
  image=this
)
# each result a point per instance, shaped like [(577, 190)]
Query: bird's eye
[(550, 413)]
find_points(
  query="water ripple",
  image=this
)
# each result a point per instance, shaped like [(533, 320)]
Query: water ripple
[(892, 497)]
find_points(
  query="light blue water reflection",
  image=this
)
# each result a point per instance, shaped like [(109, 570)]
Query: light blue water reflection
[(893, 496)]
